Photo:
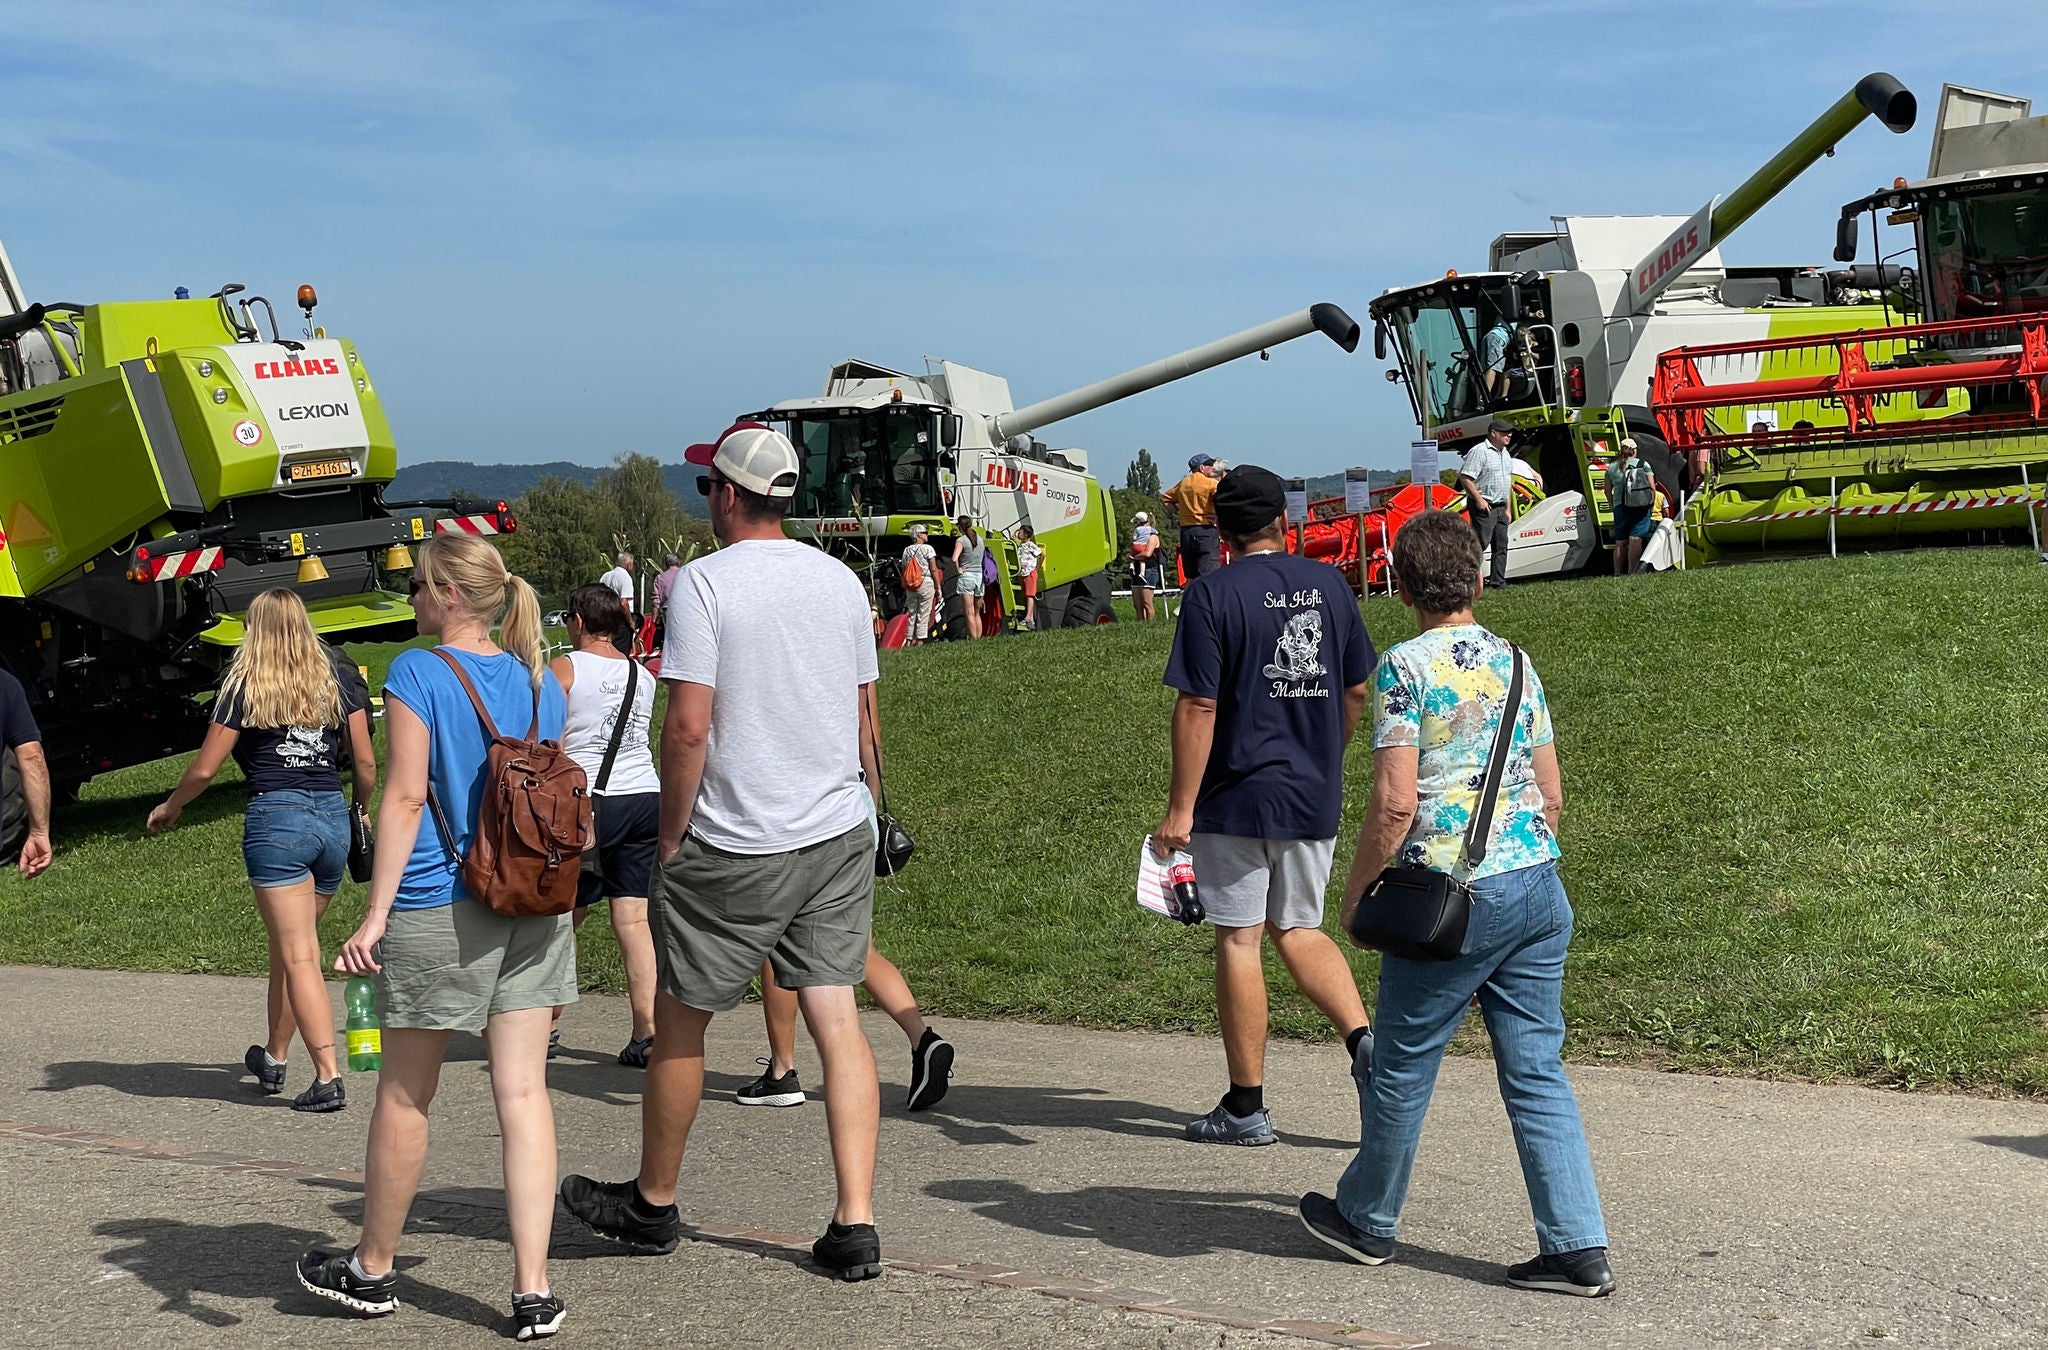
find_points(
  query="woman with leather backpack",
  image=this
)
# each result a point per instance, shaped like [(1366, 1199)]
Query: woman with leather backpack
[(446, 961), (1456, 868)]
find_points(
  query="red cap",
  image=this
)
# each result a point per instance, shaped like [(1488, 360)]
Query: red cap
[(702, 452)]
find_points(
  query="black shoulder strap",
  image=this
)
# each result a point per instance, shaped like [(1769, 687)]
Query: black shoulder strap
[(611, 752), (1480, 830)]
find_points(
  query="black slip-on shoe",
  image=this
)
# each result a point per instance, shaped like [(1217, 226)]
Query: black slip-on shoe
[(327, 1274), (849, 1251), (1584, 1273), (322, 1097), (614, 1210), (1320, 1215), (269, 1074), (535, 1316), (931, 1068)]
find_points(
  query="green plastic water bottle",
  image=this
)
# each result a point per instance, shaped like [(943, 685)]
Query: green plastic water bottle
[(365, 1036)]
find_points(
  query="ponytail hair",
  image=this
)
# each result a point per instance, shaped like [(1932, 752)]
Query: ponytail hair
[(521, 634), (487, 592)]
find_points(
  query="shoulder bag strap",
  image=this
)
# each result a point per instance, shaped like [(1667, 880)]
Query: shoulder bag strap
[(1480, 830), (874, 743), (611, 752), (476, 701)]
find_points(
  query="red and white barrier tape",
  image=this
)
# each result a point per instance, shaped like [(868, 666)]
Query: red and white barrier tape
[(1887, 509)]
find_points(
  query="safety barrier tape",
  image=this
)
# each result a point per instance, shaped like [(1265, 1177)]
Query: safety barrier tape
[(1885, 509)]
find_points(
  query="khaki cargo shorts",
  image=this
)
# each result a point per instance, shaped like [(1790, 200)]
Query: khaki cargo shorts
[(451, 967), (716, 915)]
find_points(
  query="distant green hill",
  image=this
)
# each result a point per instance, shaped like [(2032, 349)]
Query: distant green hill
[(493, 482)]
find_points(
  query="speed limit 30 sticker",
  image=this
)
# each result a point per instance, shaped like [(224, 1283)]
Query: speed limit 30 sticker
[(248, 433)]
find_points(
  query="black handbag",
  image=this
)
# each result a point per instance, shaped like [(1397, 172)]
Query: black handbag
[(1421, 913), (362, 843), (893, 844)]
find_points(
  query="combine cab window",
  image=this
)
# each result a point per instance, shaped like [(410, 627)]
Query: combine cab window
[(1986, 254), (866, 463), (1451, 335)]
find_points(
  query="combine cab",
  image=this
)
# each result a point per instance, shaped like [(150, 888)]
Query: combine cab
[(882, 451), (161, 462), (1925, 425)]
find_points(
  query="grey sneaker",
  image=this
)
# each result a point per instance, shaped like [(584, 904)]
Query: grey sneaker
[(1220, 1127)]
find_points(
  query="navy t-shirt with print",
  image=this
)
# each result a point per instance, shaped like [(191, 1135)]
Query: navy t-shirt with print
[(306, 758), (1275, 639)]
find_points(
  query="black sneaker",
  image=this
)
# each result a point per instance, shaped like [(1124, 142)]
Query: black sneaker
[(536, 1315), (615, 1210), (554, 1042), (322, 1097), (328, 1275), (931, 1065), (1320, 1215), (1584, 1272), (634, 1056), (849, 1251), (766, 1091), (268, 1072)]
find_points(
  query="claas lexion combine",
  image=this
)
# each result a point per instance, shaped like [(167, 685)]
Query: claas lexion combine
[(161, 462), (882, 450), (1565, 332)]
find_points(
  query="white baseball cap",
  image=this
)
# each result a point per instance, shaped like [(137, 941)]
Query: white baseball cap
[(1141, 519), (755, 457)]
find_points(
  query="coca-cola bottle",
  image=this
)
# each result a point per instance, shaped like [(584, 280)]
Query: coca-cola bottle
[(1187, 896)]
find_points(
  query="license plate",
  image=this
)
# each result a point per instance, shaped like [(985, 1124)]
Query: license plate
[(321, 468)]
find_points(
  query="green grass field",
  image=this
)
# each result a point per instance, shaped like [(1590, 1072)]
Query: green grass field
[(1804, 831)]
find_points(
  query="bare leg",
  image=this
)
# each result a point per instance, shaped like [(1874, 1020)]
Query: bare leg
[(518, 1046), (886, 985), (576, 918), (1241, 1003), (853, 1097), (675, 1086), (1635, 553), (778, 1010), (397, 1151), (292, 915), (636, 950), (1321, 972)]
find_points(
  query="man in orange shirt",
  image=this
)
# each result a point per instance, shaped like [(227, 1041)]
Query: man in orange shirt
[(1193, 500)]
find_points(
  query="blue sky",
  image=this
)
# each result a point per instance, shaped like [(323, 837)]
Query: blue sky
[(562, 231)]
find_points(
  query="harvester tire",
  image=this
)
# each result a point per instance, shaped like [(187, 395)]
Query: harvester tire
[(1085, 611)]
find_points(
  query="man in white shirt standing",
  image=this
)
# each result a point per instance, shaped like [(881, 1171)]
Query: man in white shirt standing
[(620, 580), (767, 837), (1485, 479)]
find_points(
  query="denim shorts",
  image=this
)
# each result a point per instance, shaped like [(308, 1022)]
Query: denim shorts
[(292, 834)]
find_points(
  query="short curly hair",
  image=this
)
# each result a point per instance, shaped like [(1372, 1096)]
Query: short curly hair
[(1437, 558)]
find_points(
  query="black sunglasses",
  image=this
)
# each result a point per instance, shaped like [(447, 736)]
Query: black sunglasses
[(708, 482), (414, 587)]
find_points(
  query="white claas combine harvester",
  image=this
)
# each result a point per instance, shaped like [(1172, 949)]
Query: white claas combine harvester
[(882, 450)]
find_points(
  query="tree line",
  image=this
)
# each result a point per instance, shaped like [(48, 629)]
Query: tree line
[(569, 531)]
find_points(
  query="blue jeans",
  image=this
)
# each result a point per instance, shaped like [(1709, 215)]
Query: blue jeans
[(1513, 959), (291, 834)]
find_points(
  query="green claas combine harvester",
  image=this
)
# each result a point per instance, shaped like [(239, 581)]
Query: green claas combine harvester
[(161, 462), (1563, 333)]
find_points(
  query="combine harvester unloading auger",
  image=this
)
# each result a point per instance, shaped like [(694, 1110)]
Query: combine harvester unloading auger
[(1926, 428)]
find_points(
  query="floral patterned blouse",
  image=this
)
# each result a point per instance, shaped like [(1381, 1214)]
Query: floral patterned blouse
[(1442, 692)]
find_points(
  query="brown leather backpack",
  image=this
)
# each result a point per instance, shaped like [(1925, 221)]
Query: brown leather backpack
[(533, 823)]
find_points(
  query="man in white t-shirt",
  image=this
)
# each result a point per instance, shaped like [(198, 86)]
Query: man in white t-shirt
[(620, 580), (767, 836)]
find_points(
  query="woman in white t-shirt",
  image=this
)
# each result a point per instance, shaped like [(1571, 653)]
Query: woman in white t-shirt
[(922, 597), (596, 677)]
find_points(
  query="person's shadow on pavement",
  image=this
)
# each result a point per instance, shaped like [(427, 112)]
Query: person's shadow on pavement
[(975, 1114), (2033, 1145), (196, 1082), (184, 1261), (1142, 1219)]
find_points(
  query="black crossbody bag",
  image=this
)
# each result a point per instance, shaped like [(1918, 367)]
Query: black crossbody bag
[(591, 861), (1421, 913), (893, 844)]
